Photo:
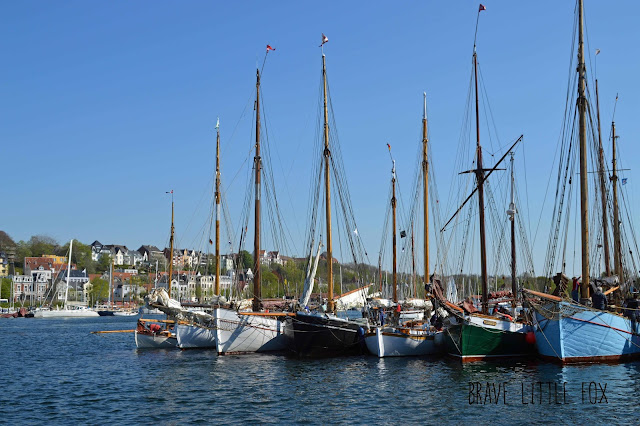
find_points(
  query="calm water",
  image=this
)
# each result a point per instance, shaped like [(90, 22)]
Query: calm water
[(55, 371)]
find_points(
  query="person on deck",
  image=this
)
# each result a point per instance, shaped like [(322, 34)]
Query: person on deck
[(599, 299), (575, 290)]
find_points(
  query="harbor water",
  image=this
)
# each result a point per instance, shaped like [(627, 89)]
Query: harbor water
[(55, 371)]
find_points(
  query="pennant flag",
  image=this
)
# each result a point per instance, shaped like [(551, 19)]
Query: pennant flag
[(270, 48), (218, 123), (169, 192), (355, 231), (597, 51), (481, 8), (324, 39), (389, 146), (210, 242), (403, 234), (624, 181)]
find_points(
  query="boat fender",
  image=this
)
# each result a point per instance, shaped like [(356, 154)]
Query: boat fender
[(530, 337)]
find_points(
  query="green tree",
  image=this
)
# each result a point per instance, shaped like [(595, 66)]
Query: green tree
[(6, 242), (23, 250), (42, 244), (246, 259), (5, 288), (99, 291), (103, 264), (81, 256)]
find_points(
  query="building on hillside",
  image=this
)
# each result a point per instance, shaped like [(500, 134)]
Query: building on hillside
[(206, 285), (4, 264), (132, 257), (97, 249), (151, 255), (271, 257), (30, 287), (77, 279), (42, 262), (176, 259)]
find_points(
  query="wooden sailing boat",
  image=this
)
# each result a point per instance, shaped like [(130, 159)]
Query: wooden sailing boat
[(322, 334), (256, 330), (159, 334), (570, 332), (195, 335), (474, 336), (413, 337)]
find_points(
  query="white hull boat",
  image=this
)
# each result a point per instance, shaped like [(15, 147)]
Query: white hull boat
[(66, 313), (146, 340), (249, 332), (125, 313), (195, 337), (404, 341)]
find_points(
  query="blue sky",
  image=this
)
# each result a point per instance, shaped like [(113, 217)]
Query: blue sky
[(107, 105)]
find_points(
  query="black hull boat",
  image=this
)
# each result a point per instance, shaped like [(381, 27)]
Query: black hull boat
[(321, 335)]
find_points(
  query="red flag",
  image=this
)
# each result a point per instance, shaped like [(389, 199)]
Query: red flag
[(481, 8), (270, 48), (389, 146), (324, 39)]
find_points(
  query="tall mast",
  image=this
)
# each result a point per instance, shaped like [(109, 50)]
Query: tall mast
[(584, 199), (217, 285), (66, 290), (393, 209), (327, 159), (603, 191), (111, 289), (512, 217), (617, 253), (257, 276), (425, 186), (480, 180), (171, 247)]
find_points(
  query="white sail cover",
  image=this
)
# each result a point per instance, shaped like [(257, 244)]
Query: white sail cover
[(353, 299), (308, 282), (452, 291)]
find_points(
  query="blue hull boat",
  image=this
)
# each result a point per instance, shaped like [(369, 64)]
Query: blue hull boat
[(568, 332)]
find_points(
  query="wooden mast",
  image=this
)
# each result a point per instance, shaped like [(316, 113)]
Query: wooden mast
[(512, 217), (171, 246), (393, 221), (425, 186), (617, 253), (257, 278), (111, 289), (480, 180), (217, 284), (584, 199), (327, 165), (603, 191)]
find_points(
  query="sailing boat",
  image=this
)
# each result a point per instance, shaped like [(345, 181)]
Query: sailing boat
[(158, 334), (474, 336), (414, 337), (198, 335), (571, 332), (66, 311), (322, 334), (253, 331)]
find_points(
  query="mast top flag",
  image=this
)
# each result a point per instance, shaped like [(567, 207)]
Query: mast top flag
[(324, 40)]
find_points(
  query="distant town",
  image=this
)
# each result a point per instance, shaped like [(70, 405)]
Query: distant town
[(35, 272)]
